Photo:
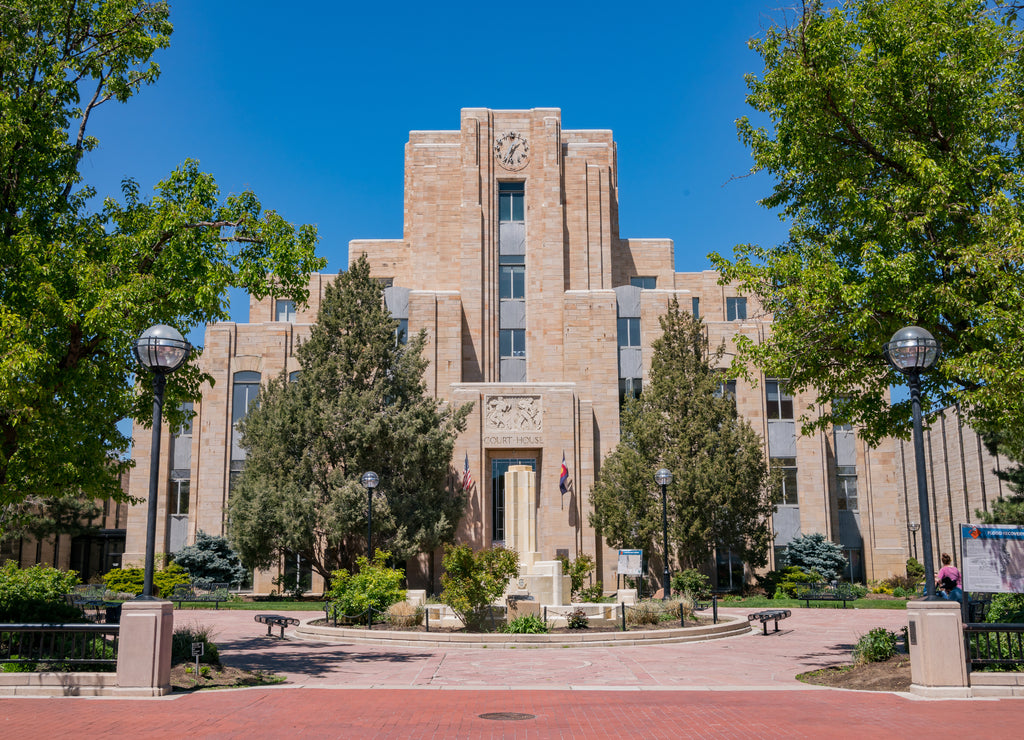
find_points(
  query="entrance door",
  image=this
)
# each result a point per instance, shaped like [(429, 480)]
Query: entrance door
[(498, 469)]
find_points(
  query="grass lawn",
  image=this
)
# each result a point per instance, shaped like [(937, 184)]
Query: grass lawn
[(761, 602)]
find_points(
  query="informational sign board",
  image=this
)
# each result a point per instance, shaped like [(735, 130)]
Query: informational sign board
[(631, 563), (993, 558)]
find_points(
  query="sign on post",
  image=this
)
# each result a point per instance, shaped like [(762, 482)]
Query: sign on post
[(993, 558), (197, 651), (631, 563)]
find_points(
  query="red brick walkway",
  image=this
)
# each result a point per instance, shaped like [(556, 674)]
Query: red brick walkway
[(391, 713), (741, 687)]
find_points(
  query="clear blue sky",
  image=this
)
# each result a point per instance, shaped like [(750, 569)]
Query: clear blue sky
[(310, 104)]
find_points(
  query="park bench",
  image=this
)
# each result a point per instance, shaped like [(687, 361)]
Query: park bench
[(769, 615), (276, 620), (94, 597), (826, 592), (217, 593)]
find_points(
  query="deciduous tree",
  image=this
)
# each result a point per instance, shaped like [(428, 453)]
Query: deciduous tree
[(358, 404), (893, 133), (80, 277), (720, 494)]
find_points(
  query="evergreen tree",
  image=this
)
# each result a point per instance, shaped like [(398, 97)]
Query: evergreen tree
[(359, 404), (720, 494), (210, 560)]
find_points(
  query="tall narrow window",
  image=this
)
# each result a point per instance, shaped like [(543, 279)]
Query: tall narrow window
[(846, 478), (246, 389), (629, 388), (726, 389), (787, 465), (511, 279), (629, 332), (402, 331), (511, 201), (512, 342), (779, 402), (735, 309), (695, 305), (284, 311)]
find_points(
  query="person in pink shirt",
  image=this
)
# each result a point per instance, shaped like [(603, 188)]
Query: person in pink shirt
[(948, 580)]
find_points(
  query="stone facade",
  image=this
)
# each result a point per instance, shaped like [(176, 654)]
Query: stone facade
[(538, 312)]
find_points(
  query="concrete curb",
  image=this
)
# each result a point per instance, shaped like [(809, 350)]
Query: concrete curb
[(729, 626)]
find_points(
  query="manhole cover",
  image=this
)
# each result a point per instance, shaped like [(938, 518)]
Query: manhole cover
[(507, 715)]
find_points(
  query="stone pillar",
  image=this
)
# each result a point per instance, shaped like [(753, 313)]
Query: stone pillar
[(521, 513), (144, 647), (938, 664)]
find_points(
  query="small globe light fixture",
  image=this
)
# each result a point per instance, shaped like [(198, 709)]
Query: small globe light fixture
[(664, 478), (913, 350), (369, 481), (160, 349)]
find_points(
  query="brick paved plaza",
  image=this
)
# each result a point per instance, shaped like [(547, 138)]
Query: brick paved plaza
[(736, 687)]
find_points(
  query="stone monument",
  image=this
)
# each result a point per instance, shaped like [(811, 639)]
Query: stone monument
[(541, 580)]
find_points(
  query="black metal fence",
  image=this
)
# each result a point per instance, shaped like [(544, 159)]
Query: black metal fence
[(59, 647), (994, 645)]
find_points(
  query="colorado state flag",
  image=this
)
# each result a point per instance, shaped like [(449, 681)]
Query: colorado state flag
[(563, 477)]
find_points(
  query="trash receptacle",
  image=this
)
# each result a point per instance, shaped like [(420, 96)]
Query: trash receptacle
[(113, 614)]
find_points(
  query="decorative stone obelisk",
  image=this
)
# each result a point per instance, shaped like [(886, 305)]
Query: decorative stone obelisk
[(541, 579)]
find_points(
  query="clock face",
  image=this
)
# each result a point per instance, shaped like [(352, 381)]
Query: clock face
[(511, 150)]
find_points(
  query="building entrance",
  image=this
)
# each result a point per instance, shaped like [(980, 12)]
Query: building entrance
[(500, 466)]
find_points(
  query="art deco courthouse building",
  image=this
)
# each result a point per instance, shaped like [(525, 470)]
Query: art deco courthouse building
[(538, 312)]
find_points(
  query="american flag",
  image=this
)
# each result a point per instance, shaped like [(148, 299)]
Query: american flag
[(467, 477)]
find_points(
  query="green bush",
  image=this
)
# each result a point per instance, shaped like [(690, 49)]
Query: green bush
[(473, 581), (795, 581), (877, 645), (181, 645), (915, 571), (1006, 609), (814, 552), (528, 624), (375, 586), (693, 583), (577, 619), (131, 580), (36, 594), (769, 582), (578, 570), (592, 594)]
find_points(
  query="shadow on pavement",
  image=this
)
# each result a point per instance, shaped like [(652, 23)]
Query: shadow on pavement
[(280, 656)]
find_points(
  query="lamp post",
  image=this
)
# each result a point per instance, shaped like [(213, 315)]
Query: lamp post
[(913, 527), (913, 350), (664, 477), (369, 481), (162, 350)]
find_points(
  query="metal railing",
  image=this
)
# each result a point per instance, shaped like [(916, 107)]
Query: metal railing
[(59, 647), (994, 645)]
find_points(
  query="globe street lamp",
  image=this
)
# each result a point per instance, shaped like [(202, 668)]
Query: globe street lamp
[(162, 350), (914, 527), (664, 477), (913, 350), (369, 481)]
